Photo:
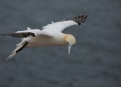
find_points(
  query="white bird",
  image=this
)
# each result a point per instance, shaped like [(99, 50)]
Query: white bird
[(50, 35)]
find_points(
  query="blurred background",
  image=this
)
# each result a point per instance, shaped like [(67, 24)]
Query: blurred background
[(95, 61)]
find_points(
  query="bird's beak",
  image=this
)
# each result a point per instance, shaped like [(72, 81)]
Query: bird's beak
[(69, 49)]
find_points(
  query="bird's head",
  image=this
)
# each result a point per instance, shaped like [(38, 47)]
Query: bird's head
[(70, 41)]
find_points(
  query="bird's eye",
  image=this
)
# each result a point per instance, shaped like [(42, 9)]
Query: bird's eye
[(67, 43)]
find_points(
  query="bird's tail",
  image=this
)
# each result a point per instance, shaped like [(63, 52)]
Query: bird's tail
[(19, 47)]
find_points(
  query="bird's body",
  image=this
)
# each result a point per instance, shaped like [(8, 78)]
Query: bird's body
[(45, 40), (50, 35)]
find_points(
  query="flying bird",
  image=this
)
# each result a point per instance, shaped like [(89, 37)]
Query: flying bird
[(50, 35)]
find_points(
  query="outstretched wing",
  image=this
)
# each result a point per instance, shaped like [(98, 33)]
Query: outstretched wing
[(60, 26), (20, 47), (24, 33), (20, 35), (50, 28), (28, 33)]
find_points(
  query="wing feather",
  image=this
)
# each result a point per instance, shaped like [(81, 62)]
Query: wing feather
[(49, 29), (20, 35), (60, 26)]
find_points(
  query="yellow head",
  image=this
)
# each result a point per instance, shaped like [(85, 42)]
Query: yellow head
[(70, 41)]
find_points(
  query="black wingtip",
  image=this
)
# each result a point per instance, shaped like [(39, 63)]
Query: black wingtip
[(84, 19), (19, 35), (79, 19)]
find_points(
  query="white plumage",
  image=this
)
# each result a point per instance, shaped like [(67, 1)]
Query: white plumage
[(50, 35)]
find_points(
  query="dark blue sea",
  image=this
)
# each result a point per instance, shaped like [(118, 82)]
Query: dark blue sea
[(95, 61)]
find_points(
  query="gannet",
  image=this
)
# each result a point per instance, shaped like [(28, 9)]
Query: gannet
[(50, 35)]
